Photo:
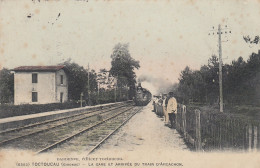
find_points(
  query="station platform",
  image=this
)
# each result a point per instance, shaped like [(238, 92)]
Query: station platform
[(19, 121)]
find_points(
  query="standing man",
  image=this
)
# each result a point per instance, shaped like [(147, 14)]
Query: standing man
[(166, 117), (172, 109), (160, 107), (154, 104)]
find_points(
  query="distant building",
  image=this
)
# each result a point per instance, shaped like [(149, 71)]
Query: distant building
[(40, 85)]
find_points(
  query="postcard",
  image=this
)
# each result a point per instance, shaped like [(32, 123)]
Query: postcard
[(129, 83)]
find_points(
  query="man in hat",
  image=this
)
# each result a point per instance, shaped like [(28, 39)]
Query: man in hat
[(166, 117), (172, 109)]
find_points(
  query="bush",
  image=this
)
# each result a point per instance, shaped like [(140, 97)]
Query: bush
[(7, 110)]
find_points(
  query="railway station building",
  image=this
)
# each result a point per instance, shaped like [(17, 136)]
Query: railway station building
[(40, 85)]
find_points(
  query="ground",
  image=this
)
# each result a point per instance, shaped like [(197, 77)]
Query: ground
[(145, 132), (144, 142)]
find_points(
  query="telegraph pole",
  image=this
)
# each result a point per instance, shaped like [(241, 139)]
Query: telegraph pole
[(98, 92), (81, 95), (220, 70), (88, 87), (220, 31), (115, 92), (116, 86)]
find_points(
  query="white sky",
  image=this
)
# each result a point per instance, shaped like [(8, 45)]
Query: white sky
[(165, 36)]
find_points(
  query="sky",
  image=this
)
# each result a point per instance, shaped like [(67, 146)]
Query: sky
[(165, 36)]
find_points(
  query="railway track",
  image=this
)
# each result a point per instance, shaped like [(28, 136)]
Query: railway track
[(51, 136), (30, 130), (94, 136), (112, 132), (58, 119)]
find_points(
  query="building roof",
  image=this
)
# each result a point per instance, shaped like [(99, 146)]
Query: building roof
[(39, 68)]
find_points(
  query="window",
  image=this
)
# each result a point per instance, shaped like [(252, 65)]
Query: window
[(34, 96), (61, 79), (34, 78)]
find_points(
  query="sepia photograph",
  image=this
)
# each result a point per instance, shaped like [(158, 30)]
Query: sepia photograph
[(130, 83)]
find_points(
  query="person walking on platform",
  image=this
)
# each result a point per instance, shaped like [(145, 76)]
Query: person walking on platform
[(154, 105), (160, 107), (166, 117), (172, 109)]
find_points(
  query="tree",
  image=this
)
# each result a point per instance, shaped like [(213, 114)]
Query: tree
[(200, 85), (241, 82), (185, 81), (123, 66), (212, 82), (78, 80), (6, 86)]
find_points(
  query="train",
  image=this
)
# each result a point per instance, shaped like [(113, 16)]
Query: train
[(142, 96)]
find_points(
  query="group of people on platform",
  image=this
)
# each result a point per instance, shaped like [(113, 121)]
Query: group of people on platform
[(166, 105)]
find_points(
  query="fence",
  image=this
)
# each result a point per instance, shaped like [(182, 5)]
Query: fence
[(217, 131)]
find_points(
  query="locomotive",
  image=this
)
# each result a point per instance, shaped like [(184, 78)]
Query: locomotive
[(142, 96)]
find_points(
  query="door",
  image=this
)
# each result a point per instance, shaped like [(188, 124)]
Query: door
[(61, 97)]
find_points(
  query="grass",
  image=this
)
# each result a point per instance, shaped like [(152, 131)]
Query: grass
[(249, 111)]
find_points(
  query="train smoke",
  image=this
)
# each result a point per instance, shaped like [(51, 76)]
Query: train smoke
[(155, 85)]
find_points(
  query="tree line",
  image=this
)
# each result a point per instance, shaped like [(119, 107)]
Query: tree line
[(241, 82), (122, 70)]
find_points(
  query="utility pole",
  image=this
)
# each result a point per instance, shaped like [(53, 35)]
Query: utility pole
[(115, 86), (88, 87), (98, 92), (220, 31), (115, 92), (220, 70), (81, 95), (127, 88)]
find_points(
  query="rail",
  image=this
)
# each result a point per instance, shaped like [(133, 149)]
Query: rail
[(50, 147), (113, 132), (84, 116)]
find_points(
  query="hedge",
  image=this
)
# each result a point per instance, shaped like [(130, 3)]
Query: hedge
[(7, 110)]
